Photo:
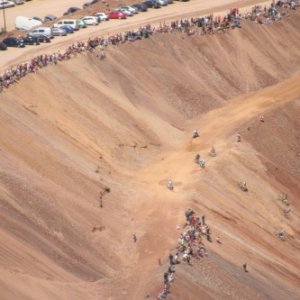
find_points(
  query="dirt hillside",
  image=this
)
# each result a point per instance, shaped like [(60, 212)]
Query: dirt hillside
[(88, 133)]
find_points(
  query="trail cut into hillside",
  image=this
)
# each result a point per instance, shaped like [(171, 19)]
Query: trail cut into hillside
[(87, 147)]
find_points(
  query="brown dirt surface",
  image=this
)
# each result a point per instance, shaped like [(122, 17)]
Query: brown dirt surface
[(117, 130)]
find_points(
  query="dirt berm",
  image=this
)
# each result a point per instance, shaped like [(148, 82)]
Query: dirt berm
[(86, 133)]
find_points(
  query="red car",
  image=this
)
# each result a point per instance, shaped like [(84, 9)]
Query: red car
[(116, 15)]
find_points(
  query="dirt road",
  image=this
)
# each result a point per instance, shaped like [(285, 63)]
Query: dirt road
[(174, 11)]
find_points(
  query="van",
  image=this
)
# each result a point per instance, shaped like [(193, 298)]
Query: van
[(24, 23), (46, 31), (70, 22)]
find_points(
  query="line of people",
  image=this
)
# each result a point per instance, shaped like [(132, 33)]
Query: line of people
[(13, 74), (201, 26)]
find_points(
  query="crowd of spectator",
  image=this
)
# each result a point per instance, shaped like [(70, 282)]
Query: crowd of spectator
[(190, 246), (268, 15), (193, 26), (13, 74)]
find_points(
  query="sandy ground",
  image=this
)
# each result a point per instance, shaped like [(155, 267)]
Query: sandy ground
[(125, 123), (174, 11)]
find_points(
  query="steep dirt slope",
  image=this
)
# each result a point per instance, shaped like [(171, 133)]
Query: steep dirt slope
[(116, 130), (214, 68), (282, 147), (246, 222)]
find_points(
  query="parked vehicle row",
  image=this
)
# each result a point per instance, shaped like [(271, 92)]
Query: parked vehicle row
[(64, 27)]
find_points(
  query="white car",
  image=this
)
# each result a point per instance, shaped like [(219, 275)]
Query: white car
[(90, 20), (44, 31), (19, 2), (131, 9), (162, 2), (126, 11), (56, 31), (102, 16), (6, 4)]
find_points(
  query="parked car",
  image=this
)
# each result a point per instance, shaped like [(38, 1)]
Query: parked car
[(67, 28), (18, 2), (56, 31), (131, 9), (31, 40), (152, 4), (42, 37), (85, 5), (126, 12), (70, 22), (3, 46), (162, 2), (7, 4), (90, 20), (14, 42), (38, 19), (140, 6), (71, 10), (42, 31), (81, 23), (115, 14), (50, 18), (102, 16)]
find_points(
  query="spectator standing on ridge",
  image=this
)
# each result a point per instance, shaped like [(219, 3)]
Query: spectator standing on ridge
[(197, 158), (134, 238), (195, 133), (202, 163), (170, 185)]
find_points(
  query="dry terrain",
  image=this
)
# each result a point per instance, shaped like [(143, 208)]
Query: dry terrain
[(118, 129)]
